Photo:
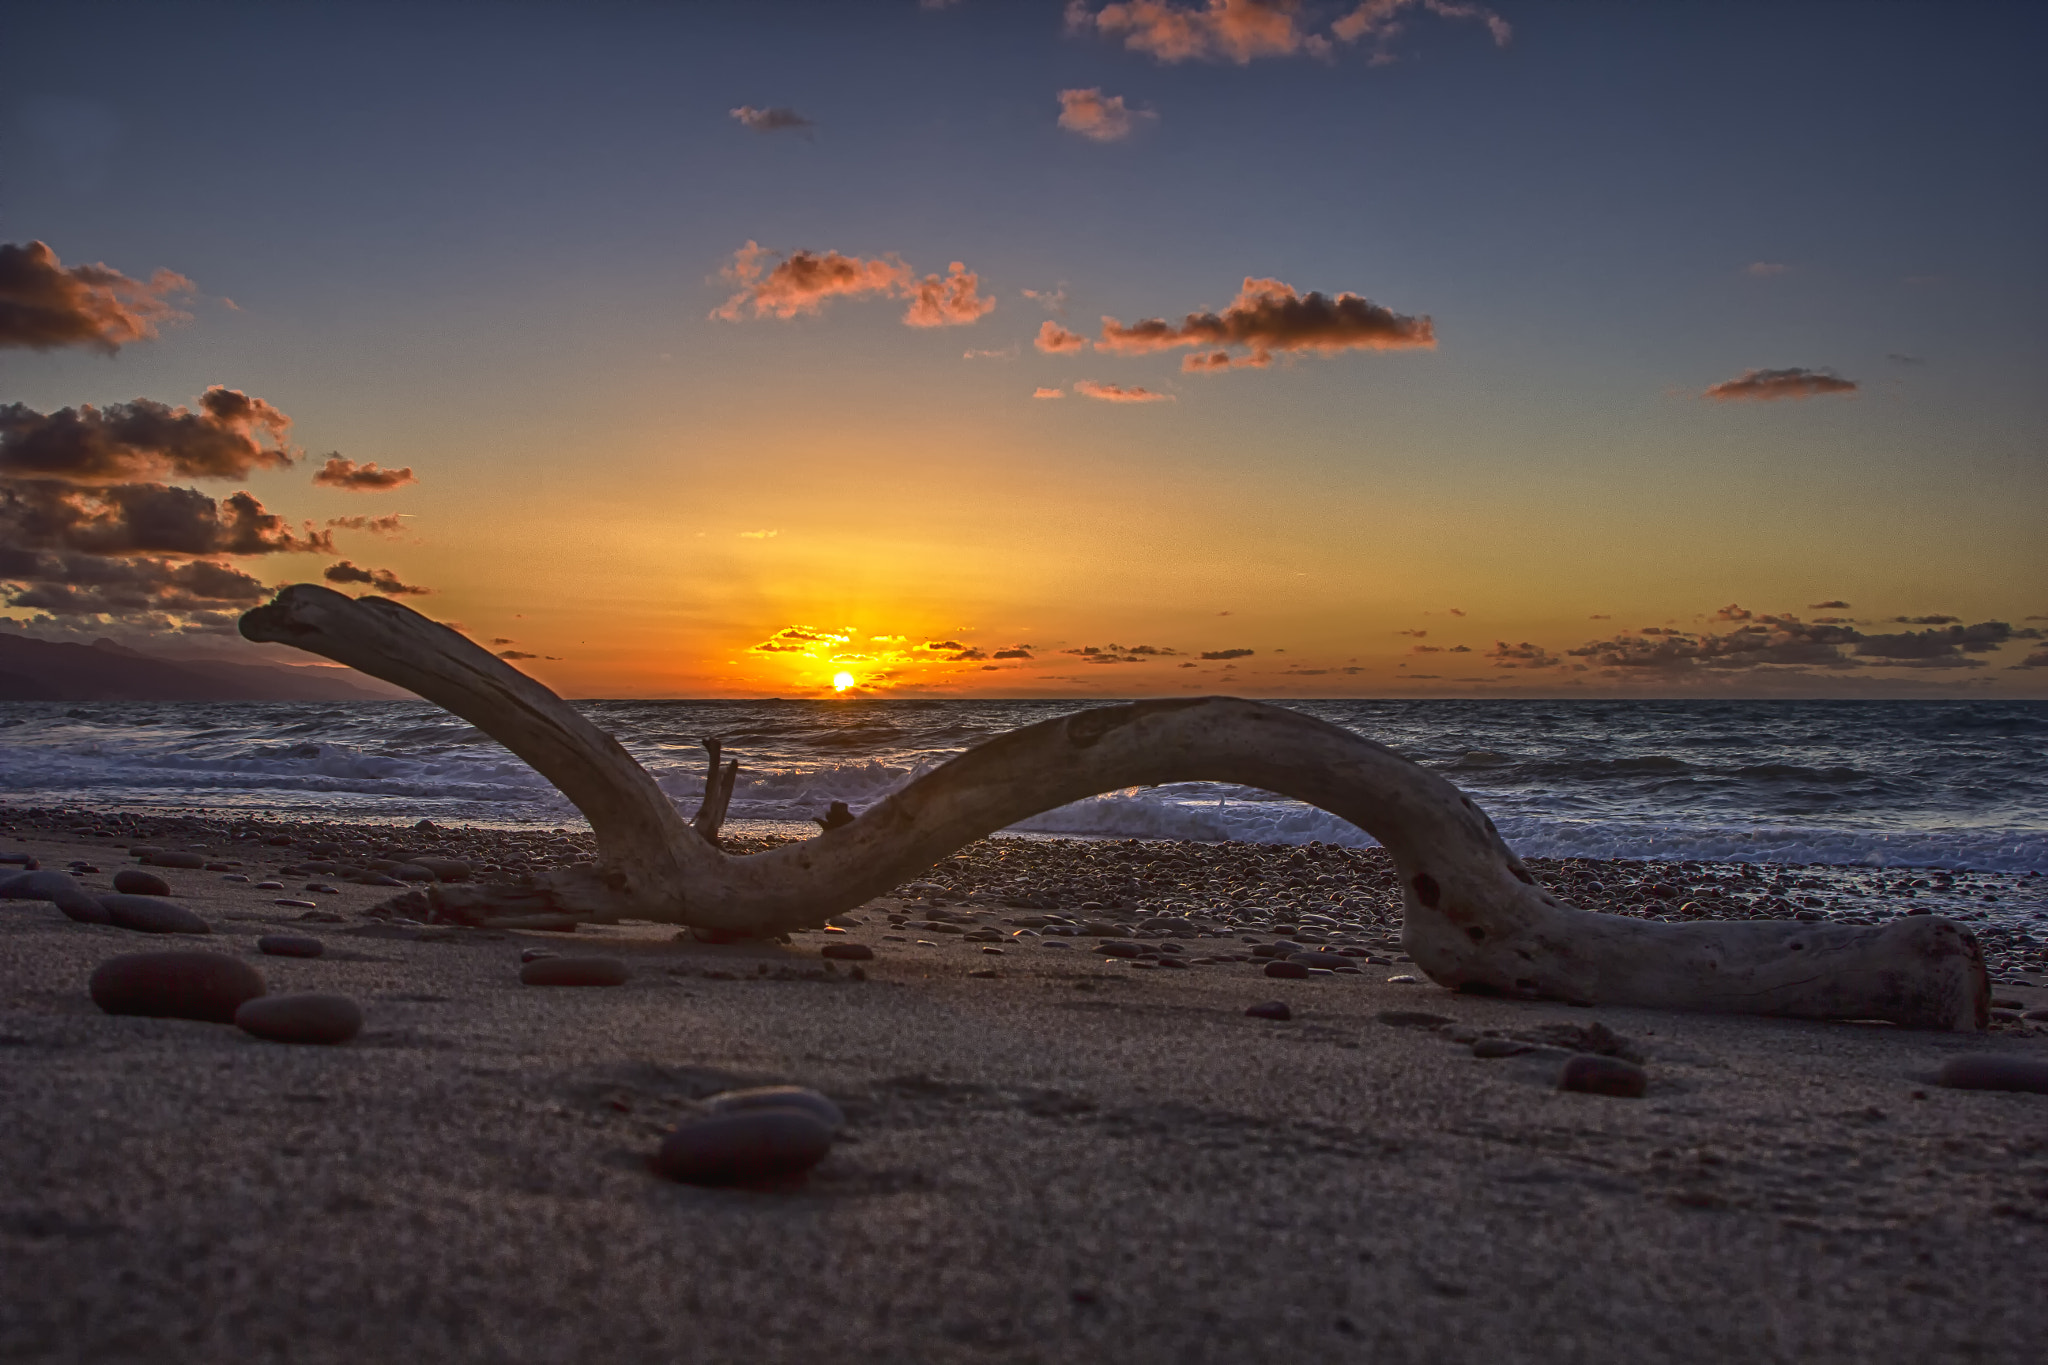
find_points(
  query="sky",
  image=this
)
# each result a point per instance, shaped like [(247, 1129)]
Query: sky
[(1029, 349)]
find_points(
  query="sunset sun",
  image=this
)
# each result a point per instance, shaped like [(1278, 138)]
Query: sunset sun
[(841, 681)]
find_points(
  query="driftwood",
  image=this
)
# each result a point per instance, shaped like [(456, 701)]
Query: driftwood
[(1476, 919)]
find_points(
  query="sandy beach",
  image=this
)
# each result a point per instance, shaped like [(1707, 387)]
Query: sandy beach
[(1052, 1154)]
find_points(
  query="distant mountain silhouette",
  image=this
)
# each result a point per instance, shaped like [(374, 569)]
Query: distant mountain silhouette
[(41, 670)]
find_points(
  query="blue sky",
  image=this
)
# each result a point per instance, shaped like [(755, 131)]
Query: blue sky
[(482, 241)]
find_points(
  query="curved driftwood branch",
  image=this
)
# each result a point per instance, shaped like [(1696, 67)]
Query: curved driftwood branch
[(1476, 919)]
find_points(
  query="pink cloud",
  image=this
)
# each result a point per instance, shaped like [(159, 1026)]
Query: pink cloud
[(1219, 30), (806, 281), (1043, 392), (1099, 117), (1270, 316), (1054, 339), (950, 302), (1117, 393), (44, 306), (1765, 386), (361, 478), (230, 435)]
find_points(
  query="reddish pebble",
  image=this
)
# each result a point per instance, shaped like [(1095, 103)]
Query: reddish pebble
[(290, 945), (745, 1147), (847, 952), (1993, 1071), (133, 881), (1282, 967), (574, 971), (305, 1018), (204, 986), (1594, 1075)]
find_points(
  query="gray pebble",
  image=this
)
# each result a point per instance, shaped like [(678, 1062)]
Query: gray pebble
[(148, 915), (204, 986), (781, 1097), (307, 1018)]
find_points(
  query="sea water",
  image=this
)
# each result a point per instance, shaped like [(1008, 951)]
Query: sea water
[(1959, 784)]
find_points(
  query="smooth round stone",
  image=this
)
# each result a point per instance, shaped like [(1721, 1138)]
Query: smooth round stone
[(534, 954), (291, 903), (307, 1018), (781, 1097), (745, 1147), (190, 862), (148, 915), (411, 872), (206, 986), (133, 881), (574, 971), (1323, 960), (290, 945), (1271, 1009), (1595, 1075), (445, 869), (1995, 1071), (847, 952), (1286, 967), (58, 887)]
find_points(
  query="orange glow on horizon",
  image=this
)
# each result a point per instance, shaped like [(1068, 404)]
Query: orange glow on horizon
[(841, 681)]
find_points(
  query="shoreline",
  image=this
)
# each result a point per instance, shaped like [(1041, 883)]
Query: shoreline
[(1053, 1154)]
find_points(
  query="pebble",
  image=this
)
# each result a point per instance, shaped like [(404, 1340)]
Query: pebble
[(288, 903), (1271, 1009), (190, 862), (534, 954), (59, 887), (847, 952), (290, 945), (148, 915), (133, 881), (781, 1097), (1404, 980), (204, 986), (745, 1147), (1286, 968), (1591, 1074), (574, 971), (1490, 1048), (1414, 1019), (411, 872), (270, 886), (1995, 1071), (307, 1018)]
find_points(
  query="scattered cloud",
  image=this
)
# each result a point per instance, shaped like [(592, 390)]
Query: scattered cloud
[(145, 519), (1054, 339), (1763, 270), (361, 478), (1042, 392), (1002, 353), (124, 442), (503, 640), (1099, 117), (1052, 300), (389, 525), (2038, 659), (1523, 655), (150, 591), (1226, 654), (1418, 634), (759, 535), (1731, 612), (1012, 654), (383, 580), (45, 306), (1240, 31), (950, 302), (1787, 642), (1764, 386), (1901, 358), (1270, 316), (778, 119), (516, 654), (805, 281), (1937, 620), (1117, 393), (1834, 604)]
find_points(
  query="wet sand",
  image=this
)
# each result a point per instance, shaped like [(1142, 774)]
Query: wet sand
[(1053, 1155)]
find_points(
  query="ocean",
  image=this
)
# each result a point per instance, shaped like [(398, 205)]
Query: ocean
[(1959, 784)]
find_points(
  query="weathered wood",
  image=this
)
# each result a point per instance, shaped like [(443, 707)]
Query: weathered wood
[(1475, 917), (718, 787)]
